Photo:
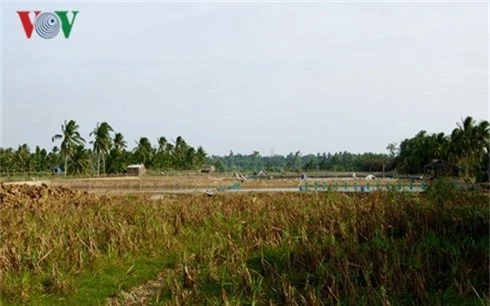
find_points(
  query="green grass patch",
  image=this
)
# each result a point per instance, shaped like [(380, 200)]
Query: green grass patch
[(107, 277)]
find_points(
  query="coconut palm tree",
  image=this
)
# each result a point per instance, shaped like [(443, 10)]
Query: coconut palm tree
[(201, 155), (482, 135), (179, 152), (23, 158), (469, 141), (40, 159), (161, 159), (117, 158), (80, 160), (71, 139), (162, 143), (143, 151), (102, 143), (119, 142)]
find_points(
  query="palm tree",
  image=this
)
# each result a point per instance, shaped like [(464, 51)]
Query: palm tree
[(23, 158), (102, 143), (40, 159), (441, 145), (161, 159), (162, 142), (80, 160), (117, 158), (144, 151), (71, 139), (190, 158), (482, 135), (201, 155), (469, 141), (179, 152), (119, 142)]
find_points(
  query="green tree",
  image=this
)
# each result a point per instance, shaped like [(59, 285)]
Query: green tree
[(201, 156), (102, 143), (179, 153), (162, 158), (468, 144), (40, 159), (393, 149), (143, 153), (117, 159), (81, 161), (22, 158), (70, 140), (162, 144), (119, 142)]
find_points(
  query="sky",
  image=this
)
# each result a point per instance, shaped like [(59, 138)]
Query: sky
[(274, 77)]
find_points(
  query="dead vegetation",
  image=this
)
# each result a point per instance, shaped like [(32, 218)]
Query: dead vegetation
[(278, 249)]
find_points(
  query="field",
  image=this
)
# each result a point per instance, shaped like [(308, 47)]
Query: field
[(62, 246), (193, 182)]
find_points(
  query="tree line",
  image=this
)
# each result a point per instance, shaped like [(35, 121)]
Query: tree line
[(107, 153), (467, 147), (297, 162)]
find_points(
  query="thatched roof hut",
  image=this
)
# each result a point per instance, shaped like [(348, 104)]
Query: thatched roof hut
[(439, 168)]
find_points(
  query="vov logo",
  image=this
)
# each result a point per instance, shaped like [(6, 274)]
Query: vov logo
[(47, 24)]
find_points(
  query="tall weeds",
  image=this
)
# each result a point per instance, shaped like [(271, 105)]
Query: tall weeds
[(280, 249)]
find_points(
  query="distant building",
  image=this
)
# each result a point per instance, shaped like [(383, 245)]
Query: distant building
[(440, 168), (57, 170), (208, 169), (136, 170)]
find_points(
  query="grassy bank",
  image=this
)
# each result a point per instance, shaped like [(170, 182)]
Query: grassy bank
[(58, 246)]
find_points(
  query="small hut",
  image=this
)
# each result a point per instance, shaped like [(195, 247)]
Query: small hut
[(261, 173), (136, 170), (208, 169), (439, 168)]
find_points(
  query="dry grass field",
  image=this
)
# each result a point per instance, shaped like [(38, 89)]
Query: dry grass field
[(61, 246)]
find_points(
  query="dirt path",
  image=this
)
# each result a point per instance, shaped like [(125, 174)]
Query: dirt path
[(139, 295)]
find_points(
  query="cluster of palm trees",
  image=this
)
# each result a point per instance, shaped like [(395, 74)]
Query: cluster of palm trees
[(107, 153), (110, 154), (468, 147)]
